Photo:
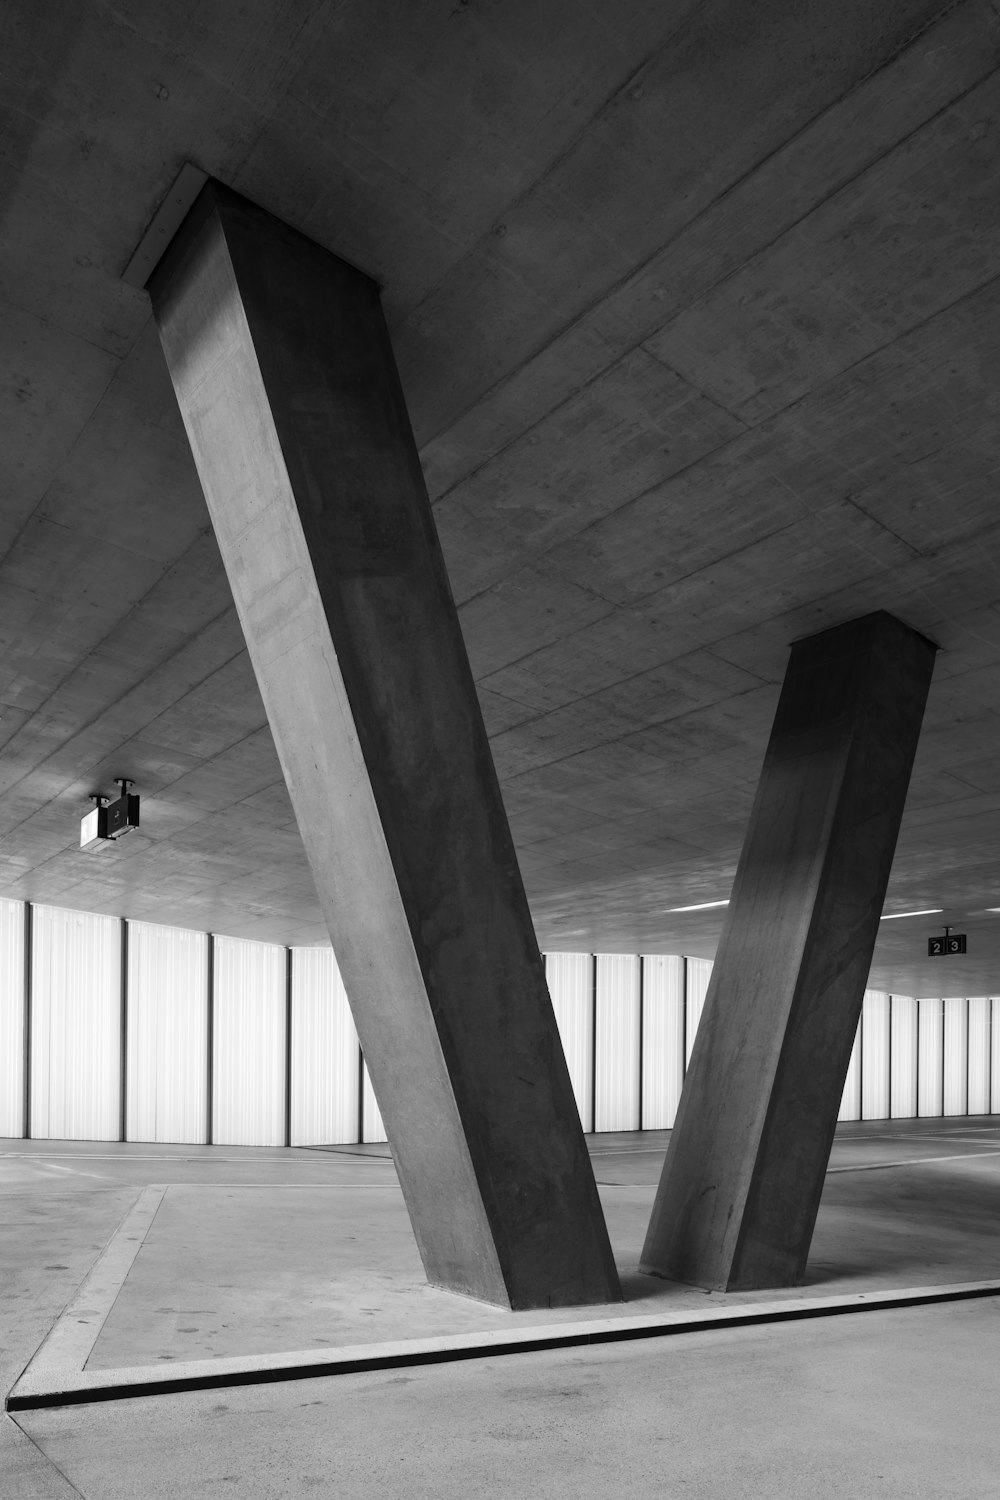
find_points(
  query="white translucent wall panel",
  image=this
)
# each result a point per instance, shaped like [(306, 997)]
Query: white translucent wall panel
[(850, 1102), (249, 1054), (372, 1127), (903, 1060), (75, 1025), (616, 1085), (875, 1056), (699, 972), (994, 1054), (662, 1039), (325, 1057), (167, 1071), (569, 977), (11, 1018), (956, 1056), (979, 1055), (931, 1057)]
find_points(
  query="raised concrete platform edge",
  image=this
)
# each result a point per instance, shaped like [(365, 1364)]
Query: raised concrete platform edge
[(70, 1341), (44, 1386)]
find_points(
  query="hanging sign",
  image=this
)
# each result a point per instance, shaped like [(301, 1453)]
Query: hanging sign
[(941, 947)]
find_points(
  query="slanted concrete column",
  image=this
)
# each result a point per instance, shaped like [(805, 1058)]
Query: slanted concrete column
[(741, 1183), (285, 377)]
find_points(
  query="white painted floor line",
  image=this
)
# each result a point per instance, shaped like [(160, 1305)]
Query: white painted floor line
[(55, 1167), (872, 1166), (201, 1187), (127, 1156), (914, 1161)]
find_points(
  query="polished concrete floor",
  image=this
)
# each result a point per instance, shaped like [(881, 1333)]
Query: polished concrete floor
[(252, 1251)]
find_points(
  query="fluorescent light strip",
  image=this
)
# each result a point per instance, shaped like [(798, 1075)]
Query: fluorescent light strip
[(701, 906), (929, 911)]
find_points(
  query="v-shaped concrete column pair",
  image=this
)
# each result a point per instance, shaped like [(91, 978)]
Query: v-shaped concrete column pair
[(285, 378)]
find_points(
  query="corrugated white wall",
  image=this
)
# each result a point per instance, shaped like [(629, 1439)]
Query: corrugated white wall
[(850, 1102), (325, 1053), (875, 1056), (11, 1018), (662, 1039), (942, 1055), (166, 1074), (75, 1025), (956, 1056), (373, 1129), (930, 1072), (570, 983), (903, 1083), (616, 1086), (699, 972), (979, 1055), (248, 1075)]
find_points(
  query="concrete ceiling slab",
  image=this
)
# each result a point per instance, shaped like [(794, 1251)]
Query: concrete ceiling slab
[(698, 317)]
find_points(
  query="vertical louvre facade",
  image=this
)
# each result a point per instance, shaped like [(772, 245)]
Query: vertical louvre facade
[(75, 1025), (850, 1103), (698, 973), (167, 1032), (616, 1047), (903, 1080), (978, 1045), (570, 980), (627, 1024), (875, 1056), (956, 1056), (326, 1058), (372, 1128), (11, 1018), (930, 1071), (662, 1039), (248, 1082)]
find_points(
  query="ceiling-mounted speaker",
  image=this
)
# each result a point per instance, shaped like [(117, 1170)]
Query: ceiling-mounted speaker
[(109, 820)]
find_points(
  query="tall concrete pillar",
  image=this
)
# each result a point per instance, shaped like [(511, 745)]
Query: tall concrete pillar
[(286, 382), (741, 1183)]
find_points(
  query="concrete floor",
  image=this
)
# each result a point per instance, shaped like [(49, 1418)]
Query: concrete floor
[(237, 1260)]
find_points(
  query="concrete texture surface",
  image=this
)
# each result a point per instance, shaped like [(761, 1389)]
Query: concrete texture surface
[(741, 1184), (259, 1275), (696, 313), (885, 1408), (307, 460), (847, 1406)]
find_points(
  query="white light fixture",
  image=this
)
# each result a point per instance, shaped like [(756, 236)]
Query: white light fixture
[(928, 911), (701, 906)]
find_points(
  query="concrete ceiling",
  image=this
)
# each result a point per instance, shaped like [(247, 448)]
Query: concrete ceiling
[(697, 310)]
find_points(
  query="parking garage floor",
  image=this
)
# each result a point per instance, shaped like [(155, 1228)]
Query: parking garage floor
[(188, 1258)]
